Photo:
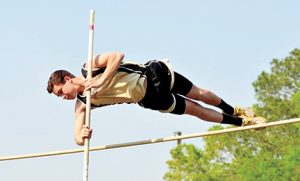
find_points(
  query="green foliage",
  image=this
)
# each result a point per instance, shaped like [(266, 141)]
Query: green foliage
[(271, 154), (291, 163), (296, 103), (275, 89), (186, 163)]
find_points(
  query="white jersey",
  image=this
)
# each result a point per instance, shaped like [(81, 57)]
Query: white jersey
[(126, 86)]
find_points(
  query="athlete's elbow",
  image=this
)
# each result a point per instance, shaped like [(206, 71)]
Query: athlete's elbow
[(120, 56), (80, 143)]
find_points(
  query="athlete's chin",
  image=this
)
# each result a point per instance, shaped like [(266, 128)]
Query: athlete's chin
[(70, 98)]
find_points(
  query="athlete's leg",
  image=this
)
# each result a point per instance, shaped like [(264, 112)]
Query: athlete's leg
[(204, 95), (185, 87), (195, 109)]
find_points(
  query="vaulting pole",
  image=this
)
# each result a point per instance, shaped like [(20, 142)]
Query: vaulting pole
[(88, 96)]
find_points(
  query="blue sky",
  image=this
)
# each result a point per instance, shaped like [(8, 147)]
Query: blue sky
[(219, 45)]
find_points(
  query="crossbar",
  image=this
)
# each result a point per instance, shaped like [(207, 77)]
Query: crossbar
[(151, 141)]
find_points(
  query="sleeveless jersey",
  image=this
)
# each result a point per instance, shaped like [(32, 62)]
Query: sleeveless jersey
[(126, 86)]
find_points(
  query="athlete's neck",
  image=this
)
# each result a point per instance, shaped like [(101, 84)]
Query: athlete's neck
[(79, 83)]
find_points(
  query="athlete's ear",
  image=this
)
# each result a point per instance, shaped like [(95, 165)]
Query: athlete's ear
[(67, 78)]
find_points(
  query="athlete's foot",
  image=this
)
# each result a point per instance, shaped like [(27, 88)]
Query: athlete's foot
[(243, 112), (247, 121)]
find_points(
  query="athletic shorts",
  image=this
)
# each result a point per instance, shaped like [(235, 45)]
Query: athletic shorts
[(163, 93)]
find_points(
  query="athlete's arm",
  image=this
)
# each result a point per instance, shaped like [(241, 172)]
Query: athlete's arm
[(81, 131), (109, 60)]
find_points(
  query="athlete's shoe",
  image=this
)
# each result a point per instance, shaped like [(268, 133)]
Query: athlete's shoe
[(243, 112), (247, 121)]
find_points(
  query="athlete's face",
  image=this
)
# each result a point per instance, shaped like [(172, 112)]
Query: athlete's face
[(66, 91)]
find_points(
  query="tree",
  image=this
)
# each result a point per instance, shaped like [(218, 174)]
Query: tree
[(271, 154), (186, 163), (274, 91), (296, 103)]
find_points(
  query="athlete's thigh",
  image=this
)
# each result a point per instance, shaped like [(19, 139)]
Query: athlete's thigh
[(182, 85)]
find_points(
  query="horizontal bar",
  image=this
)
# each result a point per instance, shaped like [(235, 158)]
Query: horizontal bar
[(151, 141)]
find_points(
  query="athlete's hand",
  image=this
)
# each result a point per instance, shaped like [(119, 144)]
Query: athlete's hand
[(92, 83), (86, 132)]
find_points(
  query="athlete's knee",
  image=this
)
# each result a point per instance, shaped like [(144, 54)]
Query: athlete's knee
[(200, 93), (204, 92), (192, 107)]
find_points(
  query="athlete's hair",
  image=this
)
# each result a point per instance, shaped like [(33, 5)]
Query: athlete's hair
[(57, 77)]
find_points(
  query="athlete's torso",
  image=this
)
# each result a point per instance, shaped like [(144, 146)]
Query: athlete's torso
[(127, 86)]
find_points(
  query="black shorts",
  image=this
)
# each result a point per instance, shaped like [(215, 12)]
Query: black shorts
[(159, 94)]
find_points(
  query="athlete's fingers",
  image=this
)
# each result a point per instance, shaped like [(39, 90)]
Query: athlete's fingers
[(86, 133)]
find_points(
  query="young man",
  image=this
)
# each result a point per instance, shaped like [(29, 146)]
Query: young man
[(153, 85)]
